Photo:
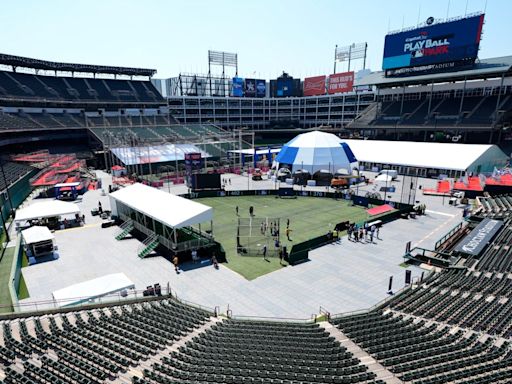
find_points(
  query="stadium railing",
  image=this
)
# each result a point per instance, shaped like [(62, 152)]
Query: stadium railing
[(31, 308)]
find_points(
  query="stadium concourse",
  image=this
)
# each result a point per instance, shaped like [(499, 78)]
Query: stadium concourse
[(340, 277)]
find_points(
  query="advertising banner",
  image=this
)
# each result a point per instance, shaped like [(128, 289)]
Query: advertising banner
[(341, 82), (284, 87), (478, 238), (314, 86), (192, 165), (250, 88), (433, 44), (237, 87), (261, 88)]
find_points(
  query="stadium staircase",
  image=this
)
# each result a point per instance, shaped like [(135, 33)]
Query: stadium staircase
[(148, 246), (470, 114), (365, 118), (126, 228), (420, 106), (146, 365), (373, 366)]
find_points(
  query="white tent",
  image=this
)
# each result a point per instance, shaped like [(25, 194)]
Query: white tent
[(314, 151), (44, 209), (450, 156), (91, 289), (171, 210), (384, 178), (36, 234)]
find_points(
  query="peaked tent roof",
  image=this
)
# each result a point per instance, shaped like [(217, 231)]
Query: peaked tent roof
[(316, 150), (171, 210), (44, 209)]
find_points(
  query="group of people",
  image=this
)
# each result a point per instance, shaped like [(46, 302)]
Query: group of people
[(226, 182), (195, 259), (363, 233), (281, 251), (273, 228)]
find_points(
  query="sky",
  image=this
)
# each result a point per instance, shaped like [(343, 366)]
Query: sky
[(269, 36)]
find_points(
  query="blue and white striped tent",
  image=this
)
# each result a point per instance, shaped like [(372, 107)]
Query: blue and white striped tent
[(315, 151)]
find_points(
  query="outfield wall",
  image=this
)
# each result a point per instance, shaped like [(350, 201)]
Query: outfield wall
[(17, 192)]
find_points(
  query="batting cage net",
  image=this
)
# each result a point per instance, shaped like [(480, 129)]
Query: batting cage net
[(254, 233)]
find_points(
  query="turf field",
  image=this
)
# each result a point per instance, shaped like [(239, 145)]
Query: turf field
[(309, 217)]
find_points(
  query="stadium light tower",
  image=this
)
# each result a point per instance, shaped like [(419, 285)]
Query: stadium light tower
[(223, 59), (350, 53)]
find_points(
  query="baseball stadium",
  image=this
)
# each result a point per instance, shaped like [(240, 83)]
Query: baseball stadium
[(350, 227)]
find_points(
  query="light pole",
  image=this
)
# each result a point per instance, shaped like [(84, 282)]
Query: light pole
[(248, 177)]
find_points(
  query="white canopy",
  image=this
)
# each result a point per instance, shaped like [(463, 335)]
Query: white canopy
[(428, 155), (384, 178), (44, 209), (171, 210), (91, 289), (37, 234)]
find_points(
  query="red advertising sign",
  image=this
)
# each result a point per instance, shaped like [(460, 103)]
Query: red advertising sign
[(341, 82), (314, 86)]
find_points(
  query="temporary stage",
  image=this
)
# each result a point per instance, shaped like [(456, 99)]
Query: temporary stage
[(163, 217)]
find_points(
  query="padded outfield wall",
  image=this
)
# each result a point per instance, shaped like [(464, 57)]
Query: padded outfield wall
[(18, 192)]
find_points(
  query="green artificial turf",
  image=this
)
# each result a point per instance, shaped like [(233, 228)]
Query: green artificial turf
[(309, 217), (5, 271), (22, 290)]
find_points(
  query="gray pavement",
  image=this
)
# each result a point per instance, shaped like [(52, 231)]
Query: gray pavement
[(340, 277)]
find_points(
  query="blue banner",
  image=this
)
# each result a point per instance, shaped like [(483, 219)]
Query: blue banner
[(250, 88), (433, 44), (284, 87), (237, 87), (261, 88)]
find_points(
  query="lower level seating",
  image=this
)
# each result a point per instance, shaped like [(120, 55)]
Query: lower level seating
[(260, 352)]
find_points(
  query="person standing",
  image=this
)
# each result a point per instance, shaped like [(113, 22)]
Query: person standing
[(175, 261), (264, 251), (194, 256), (236, 209), (281, 256), (377, 232), (251, 210), (288, 231)]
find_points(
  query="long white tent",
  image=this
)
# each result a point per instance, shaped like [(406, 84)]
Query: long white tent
[(171, 210), (41, 210), (92, 289), (449, 156)]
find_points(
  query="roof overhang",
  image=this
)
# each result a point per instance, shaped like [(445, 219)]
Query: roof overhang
[(171, 210)]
